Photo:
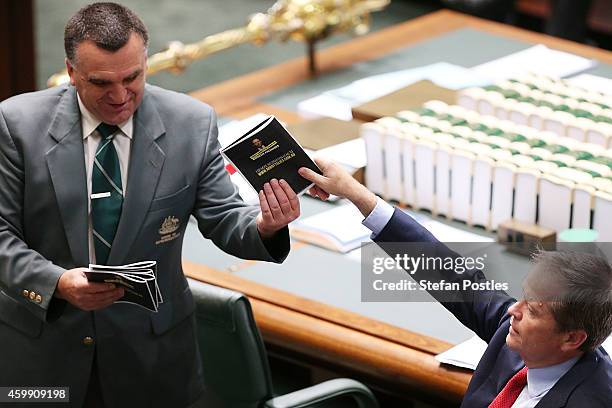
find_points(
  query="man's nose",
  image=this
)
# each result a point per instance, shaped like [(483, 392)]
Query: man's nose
[(118, 93), (515, 310)]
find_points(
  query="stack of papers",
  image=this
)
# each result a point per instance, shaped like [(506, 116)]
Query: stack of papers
[(139, 281), (337, 103), (592, 83), (447, 233), (538, 59), (339, 229), (352, 154)]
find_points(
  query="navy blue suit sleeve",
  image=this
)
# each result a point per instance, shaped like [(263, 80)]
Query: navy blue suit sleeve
[(479, 310)]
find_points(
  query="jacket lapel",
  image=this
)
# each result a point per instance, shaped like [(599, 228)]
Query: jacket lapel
[(146, 162), (66, 163), (558, 395)]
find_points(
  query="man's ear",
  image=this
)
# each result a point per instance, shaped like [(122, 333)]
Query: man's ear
[(573, 340), (70, 70)]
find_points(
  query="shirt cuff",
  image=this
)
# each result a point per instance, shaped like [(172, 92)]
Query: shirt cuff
[(379, 217)]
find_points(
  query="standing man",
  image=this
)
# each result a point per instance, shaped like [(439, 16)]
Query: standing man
[(109, 170), (543, 350)]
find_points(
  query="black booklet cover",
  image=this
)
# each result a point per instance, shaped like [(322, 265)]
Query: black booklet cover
[(139, 281), (269, 151)]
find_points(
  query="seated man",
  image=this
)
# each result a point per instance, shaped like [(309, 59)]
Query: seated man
[(543, 350)]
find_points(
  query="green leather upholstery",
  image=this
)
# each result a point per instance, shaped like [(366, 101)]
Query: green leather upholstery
[(235, 363)]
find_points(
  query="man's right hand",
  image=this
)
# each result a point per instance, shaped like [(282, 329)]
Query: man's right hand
[(335, 180), (74, 287)]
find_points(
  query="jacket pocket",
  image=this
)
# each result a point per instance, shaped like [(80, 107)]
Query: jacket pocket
[(171, 313), (170, 200), (18, 317)]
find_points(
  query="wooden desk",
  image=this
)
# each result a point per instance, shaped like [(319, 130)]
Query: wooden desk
[(238, 97), (388, 354)]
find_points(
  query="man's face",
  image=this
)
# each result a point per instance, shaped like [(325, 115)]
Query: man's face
[(110, 84), (534, 332)]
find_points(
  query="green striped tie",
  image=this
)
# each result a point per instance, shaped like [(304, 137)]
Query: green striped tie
[(107, 193)]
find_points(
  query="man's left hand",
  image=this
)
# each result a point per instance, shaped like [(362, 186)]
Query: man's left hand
[(279, 206)]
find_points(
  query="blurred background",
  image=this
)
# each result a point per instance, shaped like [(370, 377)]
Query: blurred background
[(588, 21)]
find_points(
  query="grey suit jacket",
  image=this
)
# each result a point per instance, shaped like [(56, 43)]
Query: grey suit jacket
[(144, 359)]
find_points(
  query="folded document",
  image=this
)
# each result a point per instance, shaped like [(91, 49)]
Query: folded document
[(139, 281)]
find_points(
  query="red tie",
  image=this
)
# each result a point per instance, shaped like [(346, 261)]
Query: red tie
[(511, 391)]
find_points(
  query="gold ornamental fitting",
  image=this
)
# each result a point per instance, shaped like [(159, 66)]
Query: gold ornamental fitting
[(298, 20)]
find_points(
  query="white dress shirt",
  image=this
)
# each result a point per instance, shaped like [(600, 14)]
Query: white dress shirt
[(379, 217), (540, 381), (122, 142)]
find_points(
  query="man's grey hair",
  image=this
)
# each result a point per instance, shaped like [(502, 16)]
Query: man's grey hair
[(583, 300), (108, 25)]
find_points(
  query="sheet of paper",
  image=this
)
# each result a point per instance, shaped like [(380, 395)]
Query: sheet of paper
[(229, 133), (342, 222), (538, 59), (592, 83), (236, 128), (446, 233), (442, 73), (351, 153), (466, 354), (607, 345), (325, 105), (337, 103)]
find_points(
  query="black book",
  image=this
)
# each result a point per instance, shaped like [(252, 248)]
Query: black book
[(139, 281), (269, 151)]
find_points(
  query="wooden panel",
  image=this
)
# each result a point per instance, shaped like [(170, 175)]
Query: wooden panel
[(315, 309), (17, 62), (344, 339), (5, 54)]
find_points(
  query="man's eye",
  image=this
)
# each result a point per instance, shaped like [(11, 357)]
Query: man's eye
[(132, 78)]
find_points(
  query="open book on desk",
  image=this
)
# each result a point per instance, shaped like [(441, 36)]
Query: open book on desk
[(338, 229), (139, 281)]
